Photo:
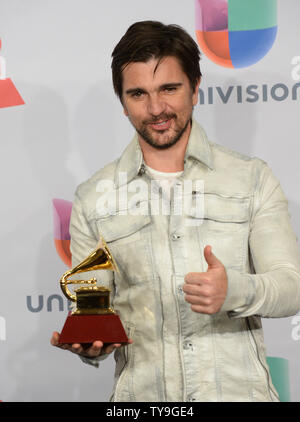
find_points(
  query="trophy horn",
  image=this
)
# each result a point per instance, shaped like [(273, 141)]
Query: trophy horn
[(99, 259)]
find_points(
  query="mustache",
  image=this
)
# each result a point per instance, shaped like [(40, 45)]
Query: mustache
[(160, 118)]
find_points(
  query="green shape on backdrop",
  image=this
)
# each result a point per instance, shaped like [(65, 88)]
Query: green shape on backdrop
[(279, 369), (246, 15)]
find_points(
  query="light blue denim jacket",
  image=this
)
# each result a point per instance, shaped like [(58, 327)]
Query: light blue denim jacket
[(178, 354)]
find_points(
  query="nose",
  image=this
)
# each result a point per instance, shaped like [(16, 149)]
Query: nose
[(156, 105)]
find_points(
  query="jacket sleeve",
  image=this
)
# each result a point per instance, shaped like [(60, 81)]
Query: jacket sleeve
[(83, 242), (274, 288), (83, 239)]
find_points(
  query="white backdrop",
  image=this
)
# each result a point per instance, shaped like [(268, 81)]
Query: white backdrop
[(57, 54)]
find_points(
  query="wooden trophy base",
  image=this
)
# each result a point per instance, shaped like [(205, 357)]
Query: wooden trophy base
[(89, 328)]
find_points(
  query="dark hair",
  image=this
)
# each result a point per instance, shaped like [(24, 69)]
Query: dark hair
[(150, 39)]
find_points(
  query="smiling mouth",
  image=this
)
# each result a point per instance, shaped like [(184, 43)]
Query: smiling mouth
[(161, 124)]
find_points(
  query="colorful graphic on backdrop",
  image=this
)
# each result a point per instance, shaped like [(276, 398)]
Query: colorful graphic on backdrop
[(235, 33), (9, 95), (61, 218)]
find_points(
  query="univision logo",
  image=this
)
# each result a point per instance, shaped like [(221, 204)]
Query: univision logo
[(250, 94), (41, 303), (236, 33)]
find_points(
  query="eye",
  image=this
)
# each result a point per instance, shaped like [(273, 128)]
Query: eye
[(137, 94), (170, 89)]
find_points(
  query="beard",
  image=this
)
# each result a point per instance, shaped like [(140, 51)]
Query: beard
[(146, 135)]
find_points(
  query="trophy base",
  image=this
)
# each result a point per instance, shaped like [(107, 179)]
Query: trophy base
[(89, 328)]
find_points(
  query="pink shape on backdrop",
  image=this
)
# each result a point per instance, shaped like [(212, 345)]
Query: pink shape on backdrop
[(211, 15), (61, 214)]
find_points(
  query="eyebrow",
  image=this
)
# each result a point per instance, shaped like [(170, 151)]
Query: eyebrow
[(164, 86), (133, 90)]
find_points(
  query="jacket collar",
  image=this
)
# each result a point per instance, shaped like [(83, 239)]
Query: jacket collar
[(198, 146), (131, 161)]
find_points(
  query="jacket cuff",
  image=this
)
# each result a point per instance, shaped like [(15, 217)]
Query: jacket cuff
[(239, 293)]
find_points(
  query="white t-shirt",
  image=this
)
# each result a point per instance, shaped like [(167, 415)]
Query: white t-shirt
[(162, 175), (163, 180)]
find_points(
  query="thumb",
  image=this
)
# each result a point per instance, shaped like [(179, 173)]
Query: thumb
[(211, 259)]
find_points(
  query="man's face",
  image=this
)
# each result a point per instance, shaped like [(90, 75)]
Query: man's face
[(158, 101)]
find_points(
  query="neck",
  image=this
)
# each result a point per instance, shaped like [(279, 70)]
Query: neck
[(168, 160)]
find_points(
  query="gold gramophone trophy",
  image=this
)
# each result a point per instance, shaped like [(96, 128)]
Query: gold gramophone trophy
[(93, 318)]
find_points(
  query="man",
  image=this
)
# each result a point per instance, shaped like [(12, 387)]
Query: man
[(192, 286)]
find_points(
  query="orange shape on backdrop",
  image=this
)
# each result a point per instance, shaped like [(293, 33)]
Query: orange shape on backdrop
[(63, 249), (9, 95), (215, 45)]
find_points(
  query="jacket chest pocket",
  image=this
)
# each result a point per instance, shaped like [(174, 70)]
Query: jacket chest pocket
[(128, 238), (225, 226)]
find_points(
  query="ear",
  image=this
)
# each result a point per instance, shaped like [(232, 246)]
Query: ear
[(196, 92)]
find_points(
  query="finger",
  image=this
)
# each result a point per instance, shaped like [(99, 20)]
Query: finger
[(199, 309), (55, 342), (95, 349), (208, 310), (111, 347), (192, 289), (211, 259), (55, 338), (196, 278), (198, 300), (97, 344), (205, 289), (76, 348)]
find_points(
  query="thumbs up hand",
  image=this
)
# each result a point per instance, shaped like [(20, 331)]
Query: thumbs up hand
[(206, 292)]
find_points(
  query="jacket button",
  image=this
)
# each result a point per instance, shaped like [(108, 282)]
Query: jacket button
[(142, 170), (187, 345), (175, 236)]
